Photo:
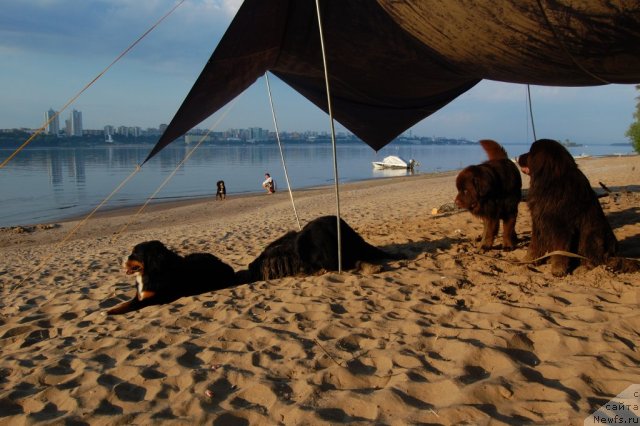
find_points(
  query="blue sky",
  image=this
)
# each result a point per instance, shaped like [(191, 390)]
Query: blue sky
[(51, 49)]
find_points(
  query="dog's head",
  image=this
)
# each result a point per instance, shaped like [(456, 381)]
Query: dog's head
[(473, 184), (523, 162), (220, 184), (146, 260), (546, 159)]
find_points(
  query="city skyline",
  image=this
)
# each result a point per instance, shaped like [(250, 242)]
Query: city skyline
[(70, 43), (73, 128)]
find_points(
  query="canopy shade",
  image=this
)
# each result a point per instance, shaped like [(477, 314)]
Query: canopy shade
[(392, 63)]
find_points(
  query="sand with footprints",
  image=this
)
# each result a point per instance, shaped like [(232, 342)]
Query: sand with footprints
[(445, 335)]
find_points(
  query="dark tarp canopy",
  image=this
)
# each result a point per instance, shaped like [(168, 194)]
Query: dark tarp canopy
[(392, 63)]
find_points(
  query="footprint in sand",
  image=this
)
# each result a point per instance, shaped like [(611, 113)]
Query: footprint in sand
[(129, 392), (23, 390), (473, 373), (62, 368), (106, 361), (108, 409), (16, 331), (150, 373), (189, 358), (34, 337), (48, 412)]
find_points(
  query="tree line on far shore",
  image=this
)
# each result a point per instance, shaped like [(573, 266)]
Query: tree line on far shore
[(633, 132)]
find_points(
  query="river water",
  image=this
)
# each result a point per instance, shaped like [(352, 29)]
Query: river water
[(42, 185)]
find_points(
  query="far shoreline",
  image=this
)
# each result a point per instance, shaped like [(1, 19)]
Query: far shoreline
[(158, 205), (161, 205)]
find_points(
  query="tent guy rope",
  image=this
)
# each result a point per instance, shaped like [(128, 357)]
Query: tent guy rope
[(284, 165), (77, 95), (80, 224), (175, 170), (564, 46), (533, 126), (75, 229)]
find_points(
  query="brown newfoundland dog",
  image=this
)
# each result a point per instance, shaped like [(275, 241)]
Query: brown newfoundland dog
[(565, 212), (492, 191)]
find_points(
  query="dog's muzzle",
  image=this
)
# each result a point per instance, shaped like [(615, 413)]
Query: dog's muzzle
[(133, 266)]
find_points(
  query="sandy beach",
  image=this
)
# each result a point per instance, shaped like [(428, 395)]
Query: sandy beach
[(445, 335)]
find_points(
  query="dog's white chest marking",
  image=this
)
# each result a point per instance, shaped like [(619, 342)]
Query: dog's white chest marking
[(140, 282)]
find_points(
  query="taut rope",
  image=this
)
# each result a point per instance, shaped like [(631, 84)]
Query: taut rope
[(77, 95), (172, 174), (565, 48), (77, 227), (284, 165), (533, 126)]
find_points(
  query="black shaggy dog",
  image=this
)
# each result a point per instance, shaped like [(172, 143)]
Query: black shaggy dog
[(163, 276), (492, 191), (312, 249), (565, 212), (221, 190)]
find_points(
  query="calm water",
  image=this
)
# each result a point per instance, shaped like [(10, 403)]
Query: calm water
[(47, 184)]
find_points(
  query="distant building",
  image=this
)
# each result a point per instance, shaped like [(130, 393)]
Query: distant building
[(257, 133), (52, 122), (92, 132), (197, 138), (151, 131), (75, 123)]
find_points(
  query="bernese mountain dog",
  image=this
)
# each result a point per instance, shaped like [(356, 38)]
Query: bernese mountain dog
[(163, 276), (221, 190)]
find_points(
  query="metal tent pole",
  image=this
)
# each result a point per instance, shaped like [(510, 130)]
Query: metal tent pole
[(333, 137)]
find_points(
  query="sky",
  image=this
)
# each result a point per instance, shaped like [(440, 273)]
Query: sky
[(51, 49)]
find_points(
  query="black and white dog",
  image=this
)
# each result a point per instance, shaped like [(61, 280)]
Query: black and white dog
[(163, 276), (221, 190)]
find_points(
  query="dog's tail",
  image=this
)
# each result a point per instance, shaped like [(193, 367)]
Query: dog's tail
[(494, 150)]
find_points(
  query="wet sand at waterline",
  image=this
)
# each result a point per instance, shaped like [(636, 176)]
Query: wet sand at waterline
[(445, 335)]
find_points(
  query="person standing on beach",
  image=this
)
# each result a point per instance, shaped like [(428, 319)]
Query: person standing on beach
[(269, 184)]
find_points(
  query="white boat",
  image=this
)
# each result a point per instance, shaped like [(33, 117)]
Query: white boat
[(109, 139), (394, 162)]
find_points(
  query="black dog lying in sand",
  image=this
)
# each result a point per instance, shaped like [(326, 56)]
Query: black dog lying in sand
[(313, 249), (163, 276)]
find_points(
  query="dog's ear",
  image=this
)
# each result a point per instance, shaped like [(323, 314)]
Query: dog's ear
[(155, 255), (523, 160), (464, 178)]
